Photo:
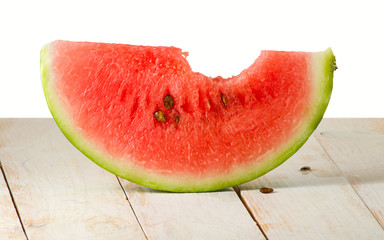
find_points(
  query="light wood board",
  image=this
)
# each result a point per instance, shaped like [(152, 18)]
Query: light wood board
[(61, 194), (357, 148), (212, 215), (10, 226), (316, 204)]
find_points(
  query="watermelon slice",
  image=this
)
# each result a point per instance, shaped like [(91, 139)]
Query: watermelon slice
[(141, 112)]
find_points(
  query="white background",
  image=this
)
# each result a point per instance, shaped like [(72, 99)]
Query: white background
[(222, 38)]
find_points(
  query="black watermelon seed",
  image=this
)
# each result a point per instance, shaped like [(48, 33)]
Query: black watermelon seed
[(177, 119), (160, 116), (223, 100), (168, 102), (266, 190), (305, 169)]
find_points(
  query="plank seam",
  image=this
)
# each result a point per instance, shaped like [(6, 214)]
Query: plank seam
[(133, 210), (346, 178), (13, 200), (238, 193)]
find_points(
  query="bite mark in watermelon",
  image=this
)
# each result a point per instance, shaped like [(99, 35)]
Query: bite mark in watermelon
[(141, 113)]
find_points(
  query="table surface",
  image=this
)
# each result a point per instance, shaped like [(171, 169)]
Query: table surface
[(49, 190)]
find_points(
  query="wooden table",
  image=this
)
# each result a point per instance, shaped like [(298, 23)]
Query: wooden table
[(49, 190)]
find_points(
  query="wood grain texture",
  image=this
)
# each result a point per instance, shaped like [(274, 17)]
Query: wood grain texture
[(61, 194), (357, 148), (315, 204), (10, 227), (213, 215)]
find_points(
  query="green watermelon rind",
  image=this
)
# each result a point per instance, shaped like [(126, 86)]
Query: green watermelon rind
[(322, 68)]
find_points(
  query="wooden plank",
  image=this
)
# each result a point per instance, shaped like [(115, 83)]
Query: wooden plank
[(213, 215), (10, 227), (357, 148), (352, 124), (61, 194), (315, 204)]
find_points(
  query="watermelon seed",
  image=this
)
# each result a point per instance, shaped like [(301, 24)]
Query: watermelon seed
[(223, 100), (177, 119), (160, 116), (305, 169), (209, 104), (168, 102), (266, 190)]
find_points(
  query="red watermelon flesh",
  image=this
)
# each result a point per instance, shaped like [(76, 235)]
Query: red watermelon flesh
[(143, 114)]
